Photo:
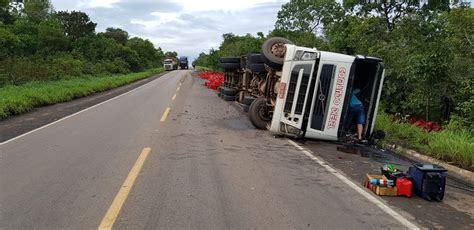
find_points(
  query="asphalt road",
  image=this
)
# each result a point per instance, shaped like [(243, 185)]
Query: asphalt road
[(208, 168)]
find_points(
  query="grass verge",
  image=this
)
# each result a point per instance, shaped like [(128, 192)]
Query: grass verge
[(202, 68), (16, 100), (452, 144)]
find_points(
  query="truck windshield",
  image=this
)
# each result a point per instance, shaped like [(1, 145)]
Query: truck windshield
[(167, 62)]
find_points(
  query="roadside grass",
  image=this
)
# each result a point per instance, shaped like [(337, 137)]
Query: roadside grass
[(16, 100), (452, 144), (202, 68)]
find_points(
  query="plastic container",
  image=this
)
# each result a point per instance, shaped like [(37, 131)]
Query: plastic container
[(429, 181), (404, 187)]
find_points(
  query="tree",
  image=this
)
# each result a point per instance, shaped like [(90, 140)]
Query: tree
[(119, 35), (9, 42), (76, 24), (233, 45), (51, 38), (37, 10), (171, 54), (147, 54), (5, 16), (308, 16), (390, 11)]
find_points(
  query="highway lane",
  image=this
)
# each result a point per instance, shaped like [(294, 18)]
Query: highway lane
[(208, 168), (65, 175)]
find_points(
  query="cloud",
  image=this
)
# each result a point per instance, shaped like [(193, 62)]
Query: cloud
[(97, 3), (186, 26)]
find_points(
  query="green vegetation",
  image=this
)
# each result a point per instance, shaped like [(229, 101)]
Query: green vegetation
[(428, 53), (20, 99), (48, 57), (40, 44), (201, 68), (453, 144), (231, 46)]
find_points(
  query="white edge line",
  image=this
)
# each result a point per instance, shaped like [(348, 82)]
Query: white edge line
[(74, 114), (351, 184)]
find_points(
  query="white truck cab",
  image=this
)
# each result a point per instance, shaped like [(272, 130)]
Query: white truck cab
[(315, 91)]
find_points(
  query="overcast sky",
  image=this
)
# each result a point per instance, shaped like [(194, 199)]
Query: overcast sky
[(188, 27)]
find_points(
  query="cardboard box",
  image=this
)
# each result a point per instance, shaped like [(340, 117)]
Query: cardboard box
[(381, 191)]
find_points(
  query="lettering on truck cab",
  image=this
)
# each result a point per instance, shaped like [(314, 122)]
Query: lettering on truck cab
[(338, 97)]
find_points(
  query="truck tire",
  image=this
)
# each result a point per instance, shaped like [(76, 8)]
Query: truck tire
[(243, 62), (228, 97), (229, 91), (230, 66), (273, 51), (259, 115), (248, 100), (257, 68), (230, 59), (255, 58)]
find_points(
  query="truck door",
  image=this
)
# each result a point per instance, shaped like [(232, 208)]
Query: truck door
[(297, 93), (330, 92)]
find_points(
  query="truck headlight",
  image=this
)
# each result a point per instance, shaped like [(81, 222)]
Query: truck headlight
[(301, 55), (285, 128)]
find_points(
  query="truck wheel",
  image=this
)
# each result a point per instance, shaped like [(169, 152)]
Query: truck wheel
[(255, 58), (259, 113), (228, 98), (274, 50), (257, 68), (230, 66), (243, 62), (229, 91), (230, 59)]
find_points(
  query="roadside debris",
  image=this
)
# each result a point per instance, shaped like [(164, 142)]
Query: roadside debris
[(425, 180)]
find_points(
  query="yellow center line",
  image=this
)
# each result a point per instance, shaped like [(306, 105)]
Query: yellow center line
[(174, 97), (114, 209), (165, 114)]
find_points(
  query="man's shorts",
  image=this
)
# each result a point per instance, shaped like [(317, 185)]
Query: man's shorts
[(358, 112)]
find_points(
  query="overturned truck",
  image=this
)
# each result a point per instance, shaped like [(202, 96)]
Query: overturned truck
[(303, 92)]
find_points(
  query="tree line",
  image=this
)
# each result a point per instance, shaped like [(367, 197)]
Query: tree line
[(39, 43), (427, 49)]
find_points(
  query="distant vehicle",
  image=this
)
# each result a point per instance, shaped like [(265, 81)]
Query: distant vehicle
[(170, 64), (183, 62)]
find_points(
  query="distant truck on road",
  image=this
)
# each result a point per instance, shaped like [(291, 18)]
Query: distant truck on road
[(170, 64), (183, 62)]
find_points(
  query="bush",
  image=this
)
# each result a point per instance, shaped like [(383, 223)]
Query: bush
[(66, 65)]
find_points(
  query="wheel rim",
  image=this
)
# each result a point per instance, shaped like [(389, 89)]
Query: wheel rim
[(278, 50), (263, 113)]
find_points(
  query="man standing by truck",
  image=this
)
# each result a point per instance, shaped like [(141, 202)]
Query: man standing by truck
[(356, 110)]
